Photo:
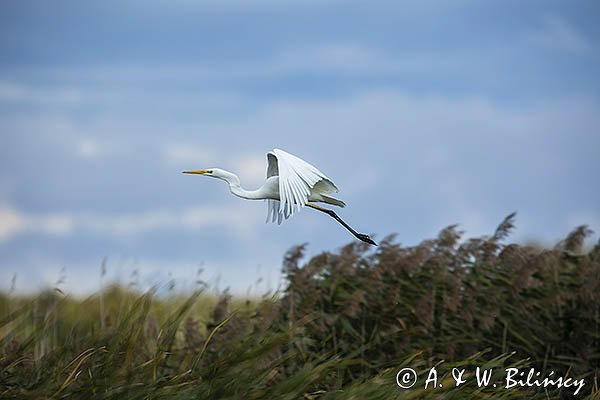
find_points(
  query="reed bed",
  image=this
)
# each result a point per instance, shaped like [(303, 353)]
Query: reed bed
[(342, 328)]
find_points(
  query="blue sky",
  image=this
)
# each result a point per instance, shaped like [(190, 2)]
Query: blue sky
[(425, 114)]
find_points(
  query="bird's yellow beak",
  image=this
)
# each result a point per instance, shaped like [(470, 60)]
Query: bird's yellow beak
[(197, 171)]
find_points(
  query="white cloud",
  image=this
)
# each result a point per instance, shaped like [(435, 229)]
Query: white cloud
[(14, 222), (11, 222), (334, 57), (16, 92), (88, 148), (119, 84), (251, 168)]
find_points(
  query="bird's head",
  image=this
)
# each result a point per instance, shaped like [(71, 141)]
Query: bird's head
[(213, 172), (208, 172)]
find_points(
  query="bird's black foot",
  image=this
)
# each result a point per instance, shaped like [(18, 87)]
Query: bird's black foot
[(366, 239)]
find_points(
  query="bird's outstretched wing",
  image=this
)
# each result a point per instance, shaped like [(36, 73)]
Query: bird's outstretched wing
[(296, 180)]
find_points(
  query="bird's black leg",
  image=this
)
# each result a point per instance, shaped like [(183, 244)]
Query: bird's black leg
[(331, 213)]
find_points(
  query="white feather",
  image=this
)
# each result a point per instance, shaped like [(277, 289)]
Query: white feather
[(297, 180)]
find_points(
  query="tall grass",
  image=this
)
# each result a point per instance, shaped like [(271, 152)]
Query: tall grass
[(346, 323)]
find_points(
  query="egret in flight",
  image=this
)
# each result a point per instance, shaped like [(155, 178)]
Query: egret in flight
[(291, 184)]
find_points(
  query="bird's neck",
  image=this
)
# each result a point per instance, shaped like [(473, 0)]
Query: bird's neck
[(239, 191), (236, 188)]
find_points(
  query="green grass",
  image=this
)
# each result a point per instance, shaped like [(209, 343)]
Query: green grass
[(346, 323)]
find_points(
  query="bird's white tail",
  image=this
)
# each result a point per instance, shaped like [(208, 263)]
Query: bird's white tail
[(332, 200)]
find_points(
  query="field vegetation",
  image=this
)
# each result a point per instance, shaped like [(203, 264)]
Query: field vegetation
[(342, 328)]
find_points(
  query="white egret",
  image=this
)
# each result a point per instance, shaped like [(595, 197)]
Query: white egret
[(291, 184)]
